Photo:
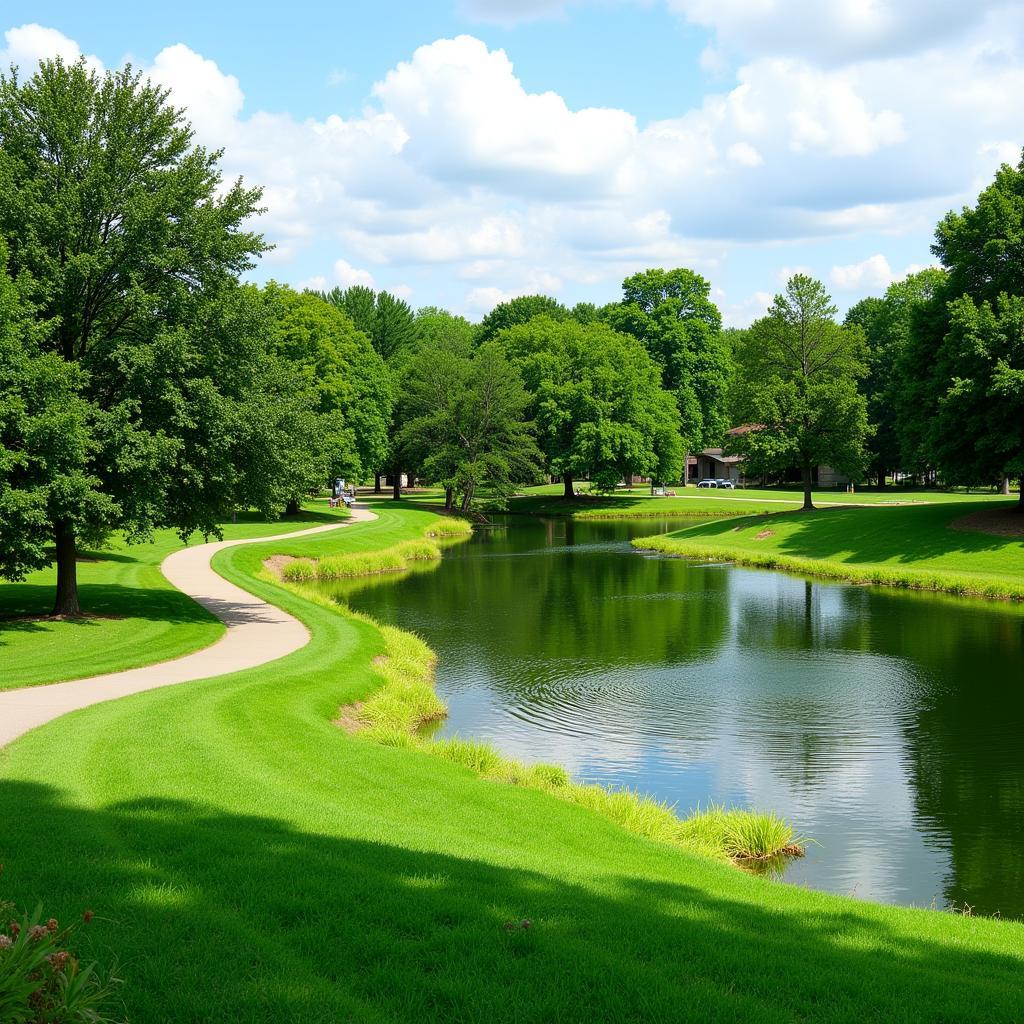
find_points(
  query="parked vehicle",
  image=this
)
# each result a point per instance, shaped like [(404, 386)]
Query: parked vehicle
[(729, 484), (707, 483)]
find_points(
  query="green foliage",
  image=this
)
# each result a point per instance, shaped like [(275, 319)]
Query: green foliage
[(982, 247), (979, 431), (893, 379), (387, 320), (42, 981), (520, 310), (463, 422), (671, 312), (100, 182), (798, 376), (962, 402), (597, 401), (440, 330), (339, 364)]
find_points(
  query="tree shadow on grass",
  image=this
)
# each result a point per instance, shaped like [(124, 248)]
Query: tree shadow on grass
[(223, 917), (21, 603), (905, 535)]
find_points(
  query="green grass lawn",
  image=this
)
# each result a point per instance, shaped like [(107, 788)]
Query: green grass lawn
[(249, 861), (143, 619), (704, 503), (906, 545)]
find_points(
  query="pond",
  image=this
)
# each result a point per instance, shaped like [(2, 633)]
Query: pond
[(886, 726)]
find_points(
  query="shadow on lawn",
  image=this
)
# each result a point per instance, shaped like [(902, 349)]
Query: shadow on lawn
[(870, 535), (108, 600), (219, 917)]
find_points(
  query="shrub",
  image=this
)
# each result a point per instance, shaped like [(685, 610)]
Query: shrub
[(42, 981)]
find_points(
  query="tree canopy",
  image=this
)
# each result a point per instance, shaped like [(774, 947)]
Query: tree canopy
[(351, 381), (519, 310), (891, 382), (798, 375), (463, 422), (671, 312), (123, 234), (597, 401)]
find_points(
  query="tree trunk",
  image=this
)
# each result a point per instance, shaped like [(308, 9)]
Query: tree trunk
[(449, 498), (377, 488), (881, 479), (396, 484), (66, 602), (467, 498), (1020, 500), (686, 470), (1006, 485), (808, 504), (293, 507), (568, 489)]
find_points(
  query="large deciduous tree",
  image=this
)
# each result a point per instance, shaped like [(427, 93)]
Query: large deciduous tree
[(671, 312), (463, 421), (519, 310), (123, 236), (798, 376), (965, 411), (598, 402), (892, 379), (351, 382)]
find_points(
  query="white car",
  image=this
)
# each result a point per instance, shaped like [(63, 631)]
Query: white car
[(727, 484), (707, 483)]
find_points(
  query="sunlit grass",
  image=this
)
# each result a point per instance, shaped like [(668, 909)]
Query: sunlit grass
[(880, 547)]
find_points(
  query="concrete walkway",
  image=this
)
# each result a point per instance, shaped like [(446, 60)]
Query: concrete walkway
[(257, 632)]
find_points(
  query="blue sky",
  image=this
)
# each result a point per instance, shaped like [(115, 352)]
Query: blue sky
[(462, 151)]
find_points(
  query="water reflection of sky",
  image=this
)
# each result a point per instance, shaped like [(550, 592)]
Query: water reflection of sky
[(802, 702)]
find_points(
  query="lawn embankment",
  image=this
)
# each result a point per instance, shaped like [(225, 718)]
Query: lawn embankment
[(133, 615), (248, 860), (709, 503), (397, 558), (917, 547)]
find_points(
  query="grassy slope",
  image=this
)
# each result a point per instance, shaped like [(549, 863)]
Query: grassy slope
[(912, 540), (249, 861), (708, 503), (150, 620)]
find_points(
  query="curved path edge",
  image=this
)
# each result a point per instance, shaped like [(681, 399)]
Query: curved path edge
[(257, 633)]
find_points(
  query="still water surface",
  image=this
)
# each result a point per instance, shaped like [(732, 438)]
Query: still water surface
[(885, 725)]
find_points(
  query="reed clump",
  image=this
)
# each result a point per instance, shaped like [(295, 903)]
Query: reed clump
[(449, 526)]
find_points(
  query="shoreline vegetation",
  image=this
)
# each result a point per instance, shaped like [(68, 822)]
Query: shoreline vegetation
[(406, 702), (397, 558), (943, 557)]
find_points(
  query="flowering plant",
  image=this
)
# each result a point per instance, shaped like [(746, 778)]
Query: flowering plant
[(41, 980)]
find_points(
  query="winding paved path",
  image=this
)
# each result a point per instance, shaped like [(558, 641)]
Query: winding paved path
[(257, 632)]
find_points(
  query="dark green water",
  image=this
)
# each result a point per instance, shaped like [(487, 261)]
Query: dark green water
[(886, 725)]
